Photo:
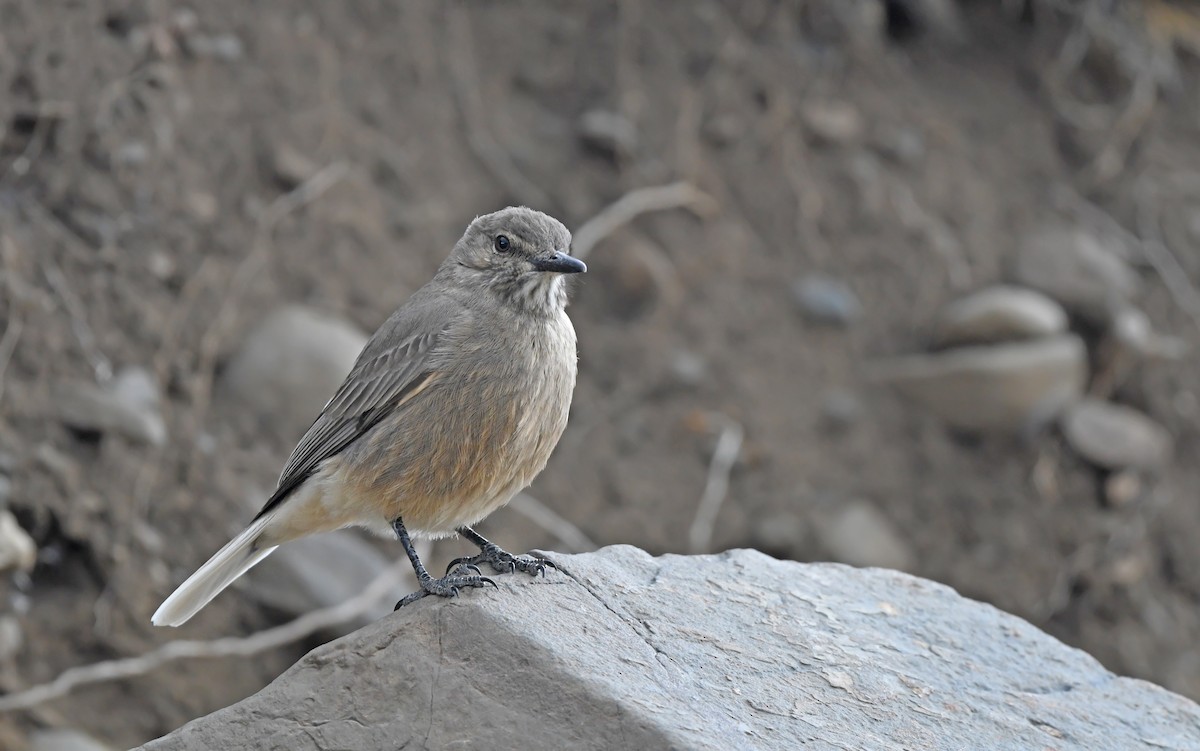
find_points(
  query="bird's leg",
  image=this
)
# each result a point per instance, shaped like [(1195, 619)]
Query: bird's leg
[(447, 586), (499, 559)]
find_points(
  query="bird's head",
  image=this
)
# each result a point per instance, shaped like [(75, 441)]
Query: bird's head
[(519, 254)]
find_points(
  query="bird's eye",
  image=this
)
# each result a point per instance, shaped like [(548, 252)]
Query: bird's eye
[(502, 243)]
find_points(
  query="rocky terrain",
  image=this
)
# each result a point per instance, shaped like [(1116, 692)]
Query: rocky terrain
[(913, 286)]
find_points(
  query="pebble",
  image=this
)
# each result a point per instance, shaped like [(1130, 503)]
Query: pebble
[(832, 121), (17, 549), (128, 405), (1005, 388), (320, 571), (860, 535), (1116, 437), (1132, 330), (62, 739), (902, 145), (998, 314), (608, 133), (840, 409), (1073, 267), (289, 166), (1122, 488), (201, 205), (224, 47), (824, 299), (289, 366), (688, 369)]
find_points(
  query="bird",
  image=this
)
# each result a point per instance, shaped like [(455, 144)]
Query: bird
[(453, 406)]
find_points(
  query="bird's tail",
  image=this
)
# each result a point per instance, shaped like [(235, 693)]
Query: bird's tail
[(230, 562)]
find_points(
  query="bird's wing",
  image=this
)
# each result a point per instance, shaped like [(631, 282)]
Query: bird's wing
[(382, 379)]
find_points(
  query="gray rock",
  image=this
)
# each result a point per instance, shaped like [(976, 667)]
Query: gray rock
[(823, 299), (127, 405), (1113, 436), (1073, 267), (61, 739), (320, 571), (609, 133), (862, 536), (289, 166), (17, 549), (289, 366), (997, 314), (832, 122), (621, 650), (902, 145), (1006, 388), (1133, 332), (688, 369), (840, 409), (224, 47)]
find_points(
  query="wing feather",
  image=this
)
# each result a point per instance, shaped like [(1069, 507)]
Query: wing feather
[(377, 384)]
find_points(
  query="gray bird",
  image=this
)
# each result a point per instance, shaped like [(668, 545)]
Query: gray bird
[(452, 407)]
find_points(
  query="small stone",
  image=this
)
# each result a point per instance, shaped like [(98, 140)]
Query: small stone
[(17, 549), (132, 154), (608, 133), (224, 47), (127, 406), (1132, 330), (823, 299), (290, 167), (161, 266), (832, 122), (688, 369), (998, 314), (1122, 488), (289, 366), (202, 206), (1006, 388), (62, 739), (840, 409), (11, 637), (1113, 436), (1073, 267), (902, 145), (860, 535), (321, 571)]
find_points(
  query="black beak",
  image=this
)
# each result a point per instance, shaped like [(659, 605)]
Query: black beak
[(560, 263)]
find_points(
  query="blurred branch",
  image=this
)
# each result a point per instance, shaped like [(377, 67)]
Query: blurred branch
[(1158, 254), (304, 193), (471, 105), (8, 344), (729, 445), (635, 203), (75, 308), (546, 518), (241, 646)]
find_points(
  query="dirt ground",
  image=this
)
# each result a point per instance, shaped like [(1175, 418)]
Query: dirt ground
[(139, 155)]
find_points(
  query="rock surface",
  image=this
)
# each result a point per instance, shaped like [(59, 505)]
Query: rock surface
[(1073, 267), (1114, 436), (621, 650), (997, 314), (289, 366), (1005, 388)]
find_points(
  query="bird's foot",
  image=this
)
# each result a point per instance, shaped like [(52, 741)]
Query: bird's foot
[(447, 586), (501, 561)]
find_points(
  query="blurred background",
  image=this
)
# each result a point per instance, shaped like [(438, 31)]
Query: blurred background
[(907, 284)]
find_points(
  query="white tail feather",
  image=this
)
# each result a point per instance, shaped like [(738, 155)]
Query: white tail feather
[(237, 557)]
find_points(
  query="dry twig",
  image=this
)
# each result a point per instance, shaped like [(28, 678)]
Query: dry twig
[(79, 319), (239, 646), (545, 517), (729, 445), (634, 203), (1158, 254)]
